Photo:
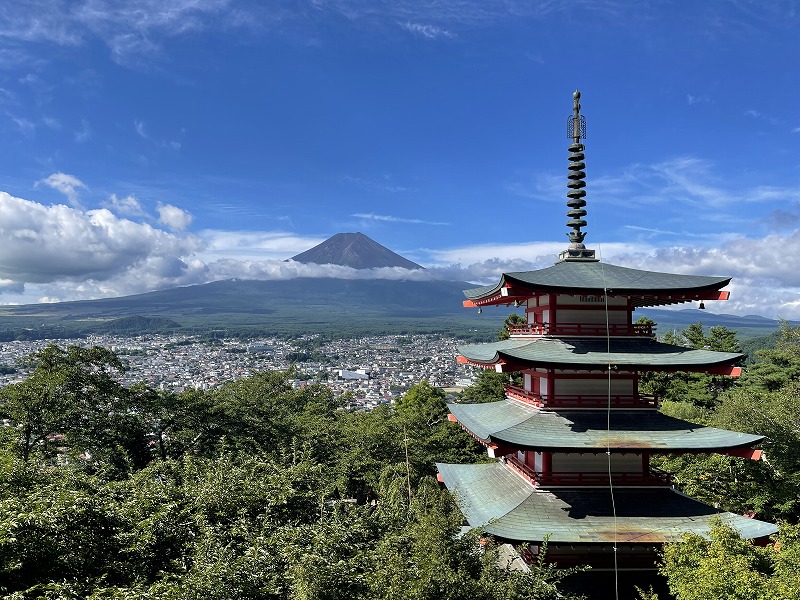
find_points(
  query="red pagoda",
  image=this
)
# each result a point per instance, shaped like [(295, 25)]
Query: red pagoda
[(574, 442)]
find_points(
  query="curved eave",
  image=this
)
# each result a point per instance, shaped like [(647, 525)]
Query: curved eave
[(510, 424), (645, 288), (500, 502), (593, 354)]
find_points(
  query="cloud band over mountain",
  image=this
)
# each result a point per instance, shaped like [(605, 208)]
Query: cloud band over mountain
[(60, 252)]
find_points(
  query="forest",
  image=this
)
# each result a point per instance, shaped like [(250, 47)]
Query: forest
[(256, 489)]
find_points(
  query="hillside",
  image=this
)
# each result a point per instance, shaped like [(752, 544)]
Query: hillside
[(288, 307)]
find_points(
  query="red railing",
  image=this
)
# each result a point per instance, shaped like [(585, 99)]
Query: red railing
[(589, 329), (579, 401), (654, 477)]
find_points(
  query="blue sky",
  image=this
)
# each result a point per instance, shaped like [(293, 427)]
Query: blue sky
[(147, 144)]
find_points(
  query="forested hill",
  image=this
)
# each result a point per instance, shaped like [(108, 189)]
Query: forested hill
[(257, 490), (251, 491)]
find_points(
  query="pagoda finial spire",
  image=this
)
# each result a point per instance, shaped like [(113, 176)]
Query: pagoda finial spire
[(576, 203)]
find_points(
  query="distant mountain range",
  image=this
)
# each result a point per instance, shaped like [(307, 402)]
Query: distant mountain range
[(309, 305), (354, 250)]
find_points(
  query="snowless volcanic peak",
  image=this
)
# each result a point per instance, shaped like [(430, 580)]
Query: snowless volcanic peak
[(354, 250)]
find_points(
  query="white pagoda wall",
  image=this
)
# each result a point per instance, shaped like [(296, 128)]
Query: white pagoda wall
[(593, 317), (596, 463), (593, 387)]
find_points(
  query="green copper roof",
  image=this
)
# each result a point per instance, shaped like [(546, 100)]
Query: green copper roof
[(594, 277), (581, 431), (494, 498), (584, 354)]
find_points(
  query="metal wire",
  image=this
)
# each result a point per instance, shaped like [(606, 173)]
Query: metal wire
[(608, 428)]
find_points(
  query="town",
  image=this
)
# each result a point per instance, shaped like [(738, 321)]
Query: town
[(372, 371)]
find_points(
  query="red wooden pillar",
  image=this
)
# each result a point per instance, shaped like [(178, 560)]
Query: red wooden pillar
[(547, 463), (530, 459)]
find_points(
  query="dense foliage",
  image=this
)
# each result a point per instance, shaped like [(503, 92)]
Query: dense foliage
[(727, 567), (252, 490), (764, 401)]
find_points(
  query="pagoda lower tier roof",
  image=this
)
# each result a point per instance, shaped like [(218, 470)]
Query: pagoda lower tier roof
[(646, 288), (514, 424), (491, 496), (595, 353)]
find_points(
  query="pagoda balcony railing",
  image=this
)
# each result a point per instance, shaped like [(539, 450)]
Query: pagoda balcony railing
[(579, 400), (580, 329), (652, 478)]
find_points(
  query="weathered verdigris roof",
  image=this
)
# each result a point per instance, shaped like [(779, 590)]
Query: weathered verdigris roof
[(494, 498), (585, 354), (526, 427), (595, 277)]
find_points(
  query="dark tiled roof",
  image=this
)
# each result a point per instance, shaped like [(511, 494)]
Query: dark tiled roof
[(580, 431), (595, 277), (494, 498), (583, 353)]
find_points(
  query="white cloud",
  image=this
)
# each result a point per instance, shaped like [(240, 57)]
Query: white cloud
[(61, 253), (173, 217), (10, 286), (69, 185), (128, 206), (69, 247)]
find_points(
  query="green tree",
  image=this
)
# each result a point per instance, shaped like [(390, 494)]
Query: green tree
[(726, 567), (698, 389), (768, 486), (510, 321), (775, 368), (72, 398), (488, 387)]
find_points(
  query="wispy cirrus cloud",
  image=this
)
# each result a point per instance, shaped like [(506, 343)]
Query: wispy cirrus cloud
[(393, 219), (431, 32), (382, 184), (761, 116), (688, 192), (84, 133), (127, 27), (702, 99)]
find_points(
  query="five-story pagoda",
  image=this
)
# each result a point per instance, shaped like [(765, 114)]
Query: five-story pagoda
[(574, 441)]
